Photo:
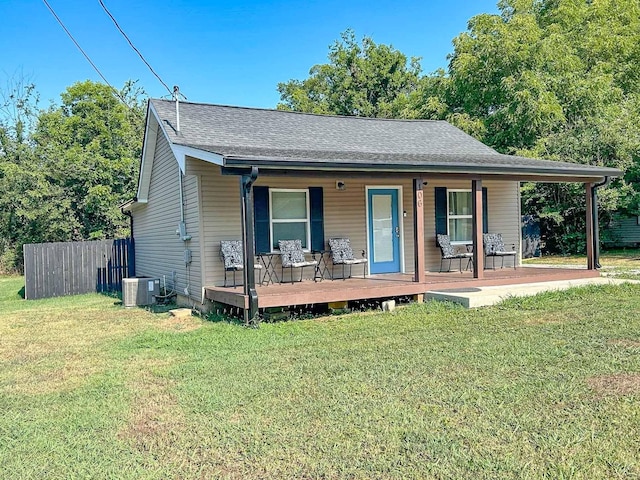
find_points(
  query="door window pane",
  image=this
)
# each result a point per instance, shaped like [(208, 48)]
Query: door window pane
[(382, 217)]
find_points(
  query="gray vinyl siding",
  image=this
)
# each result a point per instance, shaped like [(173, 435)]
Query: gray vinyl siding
[(344, 213), (159, 251), (625, 231)]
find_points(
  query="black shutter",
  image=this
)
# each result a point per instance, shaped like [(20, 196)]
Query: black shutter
[(317, 218), (485, 216), (261, 219), (441, 210)]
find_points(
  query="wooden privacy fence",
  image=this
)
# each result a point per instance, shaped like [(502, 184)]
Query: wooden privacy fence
[(72, 268)]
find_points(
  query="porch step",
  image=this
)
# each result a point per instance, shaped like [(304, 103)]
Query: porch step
[(474, 297)]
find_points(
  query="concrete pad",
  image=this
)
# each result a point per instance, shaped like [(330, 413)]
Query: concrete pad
[(486, 296)]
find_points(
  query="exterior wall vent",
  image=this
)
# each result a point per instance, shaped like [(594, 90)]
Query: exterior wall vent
[(140, 291)]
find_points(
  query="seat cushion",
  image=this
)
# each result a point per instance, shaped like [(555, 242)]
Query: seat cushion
[(341, 250), (458, 255), (231, 253), (290, 252), (303, 264), (355, 261)]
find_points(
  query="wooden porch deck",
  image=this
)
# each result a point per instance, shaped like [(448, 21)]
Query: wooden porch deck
[(309, 292)]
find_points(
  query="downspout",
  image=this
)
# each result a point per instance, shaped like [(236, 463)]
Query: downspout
[(248, 239), (184, 236), (131, 264), (596, 226), (128, 214)]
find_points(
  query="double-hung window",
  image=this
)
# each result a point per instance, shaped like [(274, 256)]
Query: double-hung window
[(460, 218), (289, 220)]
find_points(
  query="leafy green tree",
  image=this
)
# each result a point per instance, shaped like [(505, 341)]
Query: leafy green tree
[(31, 209), (90, 146), (556, 79), (64, 171), (361, 79)]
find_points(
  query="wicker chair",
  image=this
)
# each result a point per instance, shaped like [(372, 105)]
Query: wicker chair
[(494, 247), (233, 259), (448, 252), (342, 254), (292, 256)]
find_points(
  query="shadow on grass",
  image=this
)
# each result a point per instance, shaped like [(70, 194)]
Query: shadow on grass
[(21, 292)]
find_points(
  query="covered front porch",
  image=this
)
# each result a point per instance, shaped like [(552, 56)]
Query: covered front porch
[(309, 292), (418, 222)]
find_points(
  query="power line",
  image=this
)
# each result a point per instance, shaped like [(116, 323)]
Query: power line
[(115, 22), (84, 53)]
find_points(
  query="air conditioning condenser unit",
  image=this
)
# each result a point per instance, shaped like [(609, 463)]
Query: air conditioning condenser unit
[(139, 291)]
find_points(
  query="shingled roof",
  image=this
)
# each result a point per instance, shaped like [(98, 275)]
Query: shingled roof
[(290, 140)]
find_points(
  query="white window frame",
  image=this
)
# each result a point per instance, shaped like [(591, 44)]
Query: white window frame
[(290, 220), (456, 217)]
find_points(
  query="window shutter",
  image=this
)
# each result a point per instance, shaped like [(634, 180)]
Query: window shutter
[(317, 218), (261, 219), (485, 216), (441, 210)]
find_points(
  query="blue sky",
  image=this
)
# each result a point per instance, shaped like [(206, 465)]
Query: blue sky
[(231, 53)]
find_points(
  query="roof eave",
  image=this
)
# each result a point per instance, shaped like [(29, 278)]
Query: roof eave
[(570, 175)]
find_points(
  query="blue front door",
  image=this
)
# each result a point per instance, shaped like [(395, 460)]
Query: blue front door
[(384, 230)]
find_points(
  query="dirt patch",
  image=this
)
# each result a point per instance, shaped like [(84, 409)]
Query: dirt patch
[(180, 324), (155, 414), (618, 384), (624, 342), (550, 318)]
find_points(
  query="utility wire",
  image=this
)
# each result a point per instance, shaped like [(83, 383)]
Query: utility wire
[(115, 22), (85, 55)]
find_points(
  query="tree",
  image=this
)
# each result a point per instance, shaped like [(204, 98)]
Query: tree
[(30, 208), (90, 147), (64, 171), (556, 79), (361, 79)]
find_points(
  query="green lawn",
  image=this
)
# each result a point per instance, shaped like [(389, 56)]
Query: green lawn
[(609, 259), (541, 387)]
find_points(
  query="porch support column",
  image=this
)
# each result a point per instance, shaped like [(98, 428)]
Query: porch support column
[(418, 230), (478, 247), (591, 260), (248, 237)]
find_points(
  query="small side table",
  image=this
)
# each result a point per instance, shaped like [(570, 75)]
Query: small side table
[(270, 276), (322, 268)]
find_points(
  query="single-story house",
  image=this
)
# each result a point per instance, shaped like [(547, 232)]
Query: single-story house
[(211, 173)]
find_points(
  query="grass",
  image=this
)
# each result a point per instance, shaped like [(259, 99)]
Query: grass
[(626, 259), (539, 387), (624, 263)]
